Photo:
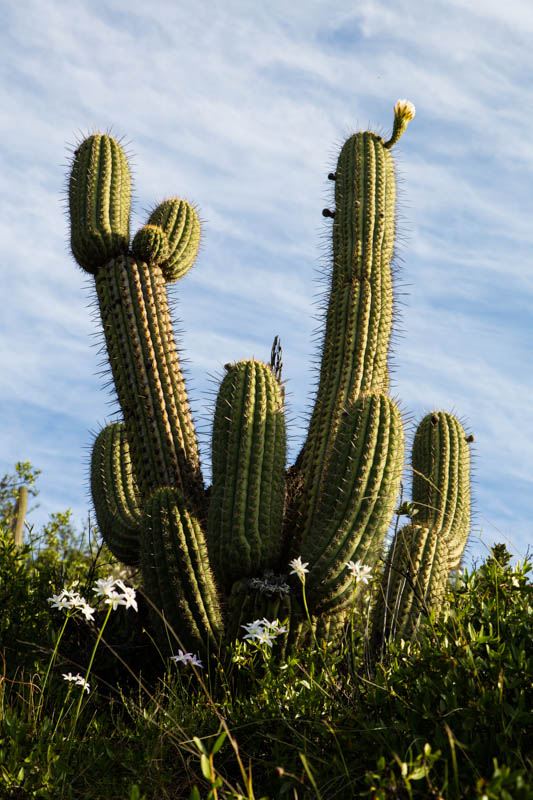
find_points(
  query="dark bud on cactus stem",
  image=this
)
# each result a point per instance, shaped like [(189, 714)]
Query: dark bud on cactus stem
[(434, 419), (327, 213), (470, 439), (332, 176)]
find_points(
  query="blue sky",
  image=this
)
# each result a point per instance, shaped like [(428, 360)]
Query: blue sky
[(240, 108)]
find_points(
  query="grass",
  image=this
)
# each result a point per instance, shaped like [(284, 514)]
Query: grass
[(447, 716)]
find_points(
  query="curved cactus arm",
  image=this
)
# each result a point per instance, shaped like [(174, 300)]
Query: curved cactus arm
[(115, 493), (360, 309), (248, 460), (360, 492), (176, 571), (441, 480), (99, 202), (147, 376), (179, 221)]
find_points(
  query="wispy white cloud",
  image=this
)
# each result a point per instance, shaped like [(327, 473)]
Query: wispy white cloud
[(238, 109)]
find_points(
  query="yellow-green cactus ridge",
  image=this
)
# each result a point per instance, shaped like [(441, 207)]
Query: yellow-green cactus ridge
[(179, 221), (99, 202)]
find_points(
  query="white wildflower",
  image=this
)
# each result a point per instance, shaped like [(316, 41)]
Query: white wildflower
[(87, 611), (253, 629), (115, 600), (78, 679), (187, 658), (361, 572), (298, 568), (60, 601), (263, 630), (104, 586), (129, 598)]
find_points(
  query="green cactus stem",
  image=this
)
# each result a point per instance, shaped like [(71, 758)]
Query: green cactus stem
[(147, 376), (99, 202), (359, 315), (424, 552), (248, 460), (361, 488), (176, 570), (179, 221), (115, 494), (441, 480), (150, 244)]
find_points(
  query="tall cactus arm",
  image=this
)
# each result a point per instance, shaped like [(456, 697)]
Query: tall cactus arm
[(360, 309), (248, 449), (361, 488), (147, 375), (99, 202), (423, 553), (176, 570), (115, 494), (441, 480)]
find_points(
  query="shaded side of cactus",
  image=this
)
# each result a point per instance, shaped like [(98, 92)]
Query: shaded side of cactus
[(147, 376), (248, 462), (441, 480), (423, 553), (360, 492), (115, 493), (176, 569)]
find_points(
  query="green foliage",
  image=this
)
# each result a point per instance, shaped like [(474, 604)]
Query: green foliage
[(445, 716), (24, 475)]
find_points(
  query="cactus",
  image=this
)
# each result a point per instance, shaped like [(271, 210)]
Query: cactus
[(211, 556), (423, 553)]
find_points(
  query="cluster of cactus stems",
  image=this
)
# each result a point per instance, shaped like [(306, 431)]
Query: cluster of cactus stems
[(214, 558)]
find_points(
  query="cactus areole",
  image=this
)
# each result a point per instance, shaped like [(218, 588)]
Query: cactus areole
[(213, 559)]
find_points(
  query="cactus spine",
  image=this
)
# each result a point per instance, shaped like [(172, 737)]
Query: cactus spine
[(208, 556)]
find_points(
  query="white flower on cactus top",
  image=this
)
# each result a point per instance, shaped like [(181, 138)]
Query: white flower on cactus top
[(187, 658), (78, 679), (298, 568), (263, 631), (361, 572), (405, 109)]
